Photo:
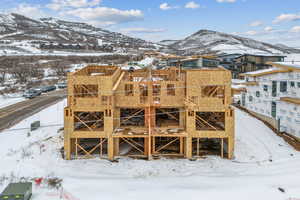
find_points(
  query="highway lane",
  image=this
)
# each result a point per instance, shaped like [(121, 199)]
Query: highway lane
[(13, 114)]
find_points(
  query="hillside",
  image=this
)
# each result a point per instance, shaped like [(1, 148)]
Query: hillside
[(206, 41), (23, 35), (20, 34)]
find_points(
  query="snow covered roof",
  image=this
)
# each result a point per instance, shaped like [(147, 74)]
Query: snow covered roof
[(263, 55), (264, 72), (238, 81), (287, 65), (238, 86)]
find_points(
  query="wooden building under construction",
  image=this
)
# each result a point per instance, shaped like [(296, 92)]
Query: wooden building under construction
[(146, 113)]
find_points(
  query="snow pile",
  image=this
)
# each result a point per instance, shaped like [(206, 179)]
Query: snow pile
[(251, 172)]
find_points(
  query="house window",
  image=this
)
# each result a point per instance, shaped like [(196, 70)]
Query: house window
[(191, 113), (143, 90), (283, 86), (108, 113), (171, 90), (156, 90), (265, 88), (292, 84), (298, 84), (128, 89), (257, 94), (274, 88), (273, 109), (243, 99), (250, 98)]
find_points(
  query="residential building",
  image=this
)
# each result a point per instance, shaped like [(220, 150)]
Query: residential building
[(148, 113), (201, 62), (228, 62), (251, 62), (274, 95)]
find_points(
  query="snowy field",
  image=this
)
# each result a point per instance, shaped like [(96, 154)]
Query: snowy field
[(7, 100), (263, 162)]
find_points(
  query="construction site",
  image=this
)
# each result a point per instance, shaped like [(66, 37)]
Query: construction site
[(146, 113)]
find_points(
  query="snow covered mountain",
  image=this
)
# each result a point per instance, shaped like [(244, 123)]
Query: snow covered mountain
[(206, 41), (167, 42), (20, 34)]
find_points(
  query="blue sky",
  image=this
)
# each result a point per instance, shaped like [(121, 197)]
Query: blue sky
[(275, 21)]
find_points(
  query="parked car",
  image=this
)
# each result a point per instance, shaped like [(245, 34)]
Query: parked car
[(62, 85), (29, 94), (48, 88), (38, 90)]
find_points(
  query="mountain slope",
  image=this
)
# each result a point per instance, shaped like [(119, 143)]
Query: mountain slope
[(19, 33), (206, 41)]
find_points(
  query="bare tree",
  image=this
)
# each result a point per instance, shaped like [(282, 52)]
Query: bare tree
[(20, 72), (61, 67), (3, 73)]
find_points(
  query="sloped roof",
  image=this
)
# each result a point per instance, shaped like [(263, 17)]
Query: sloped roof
[(263, 72)]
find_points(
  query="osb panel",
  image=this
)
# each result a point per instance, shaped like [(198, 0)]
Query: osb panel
[(220, 77), (210, 134), (88, 102), (89, 134)]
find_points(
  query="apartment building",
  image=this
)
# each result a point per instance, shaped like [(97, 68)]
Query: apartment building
[(253, 62), (274, 95), (147, 113)]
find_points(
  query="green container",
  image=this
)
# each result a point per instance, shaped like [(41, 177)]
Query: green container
[(17, 191), (35, 125)]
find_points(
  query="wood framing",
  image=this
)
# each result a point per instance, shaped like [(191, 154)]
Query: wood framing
[(148, 113)]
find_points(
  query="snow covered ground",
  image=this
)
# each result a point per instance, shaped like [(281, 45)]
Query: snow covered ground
[(292, 57), (263, 162), (7, 100), (147, 61)]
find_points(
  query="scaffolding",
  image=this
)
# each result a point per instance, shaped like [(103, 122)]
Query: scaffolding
[(147, 113)]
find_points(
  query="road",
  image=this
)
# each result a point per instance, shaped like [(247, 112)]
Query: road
[(13, 114)]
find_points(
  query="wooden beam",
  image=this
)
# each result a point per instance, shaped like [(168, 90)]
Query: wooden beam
[(89, 92), (214, 91), (132, 145), (134, 142), (222, 146), (168, 113), (118, 82), (131, 116), (206, 122), (169, 143), (83, 123)]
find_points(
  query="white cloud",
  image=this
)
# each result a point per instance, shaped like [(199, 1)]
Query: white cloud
[(295, 29), (286, 18), (251, 33), (33, 11), (142, 30), (61, 4), (268, 29), (192, 5), (256, 23), (166, 6), (104, 15), (226, 1)]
